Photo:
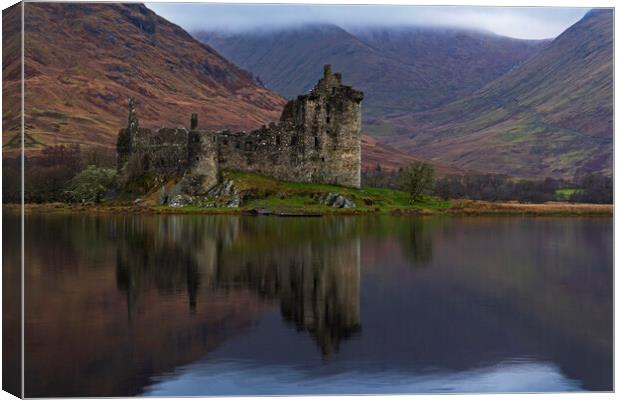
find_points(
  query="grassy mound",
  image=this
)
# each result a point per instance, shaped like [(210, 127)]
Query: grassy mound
[(265, 193)]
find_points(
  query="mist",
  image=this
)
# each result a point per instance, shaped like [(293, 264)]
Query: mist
[(517, 22)]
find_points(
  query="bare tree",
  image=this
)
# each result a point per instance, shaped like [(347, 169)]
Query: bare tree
[(416, 178)]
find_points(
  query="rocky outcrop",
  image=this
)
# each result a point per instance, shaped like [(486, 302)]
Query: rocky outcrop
[(336, 200), (226, 194)]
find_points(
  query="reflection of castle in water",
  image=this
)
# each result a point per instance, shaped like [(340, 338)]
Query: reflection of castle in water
[(317, 285), (315, 278)]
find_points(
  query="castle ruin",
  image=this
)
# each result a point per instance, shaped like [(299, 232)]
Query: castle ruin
[(318, 139)]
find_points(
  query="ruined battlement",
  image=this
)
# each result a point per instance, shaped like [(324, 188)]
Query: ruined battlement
[(318, 139)]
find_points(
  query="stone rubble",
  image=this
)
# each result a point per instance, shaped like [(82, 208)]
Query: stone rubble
[(336, 200)]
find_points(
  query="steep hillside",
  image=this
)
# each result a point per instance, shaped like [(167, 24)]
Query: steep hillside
[(552, 116), (400, 69), (11, 72), (84, 60), (391, 159)]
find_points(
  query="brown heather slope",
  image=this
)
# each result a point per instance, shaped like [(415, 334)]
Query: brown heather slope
[(84, 60), (11, 71), (551, 116), (391, 159)]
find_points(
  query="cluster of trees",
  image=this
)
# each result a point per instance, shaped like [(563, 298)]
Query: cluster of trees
[(494, 187), (418, 178), (59, 174), (594, 188), (378, 177)]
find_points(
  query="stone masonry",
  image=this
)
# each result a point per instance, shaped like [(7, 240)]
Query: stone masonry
[(317, 140)]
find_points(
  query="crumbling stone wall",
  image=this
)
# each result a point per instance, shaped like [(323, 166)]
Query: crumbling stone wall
[(203, 166), (162, 154), (318, 139), (165, 150), (188, 157), (125, 136)]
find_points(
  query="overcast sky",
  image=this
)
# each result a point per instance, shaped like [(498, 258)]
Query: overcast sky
[(518, 22)]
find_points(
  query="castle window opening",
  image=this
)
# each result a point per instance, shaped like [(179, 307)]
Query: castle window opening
[(316, 142), (278, 140)]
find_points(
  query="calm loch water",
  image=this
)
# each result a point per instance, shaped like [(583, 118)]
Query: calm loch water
[(215, 305)]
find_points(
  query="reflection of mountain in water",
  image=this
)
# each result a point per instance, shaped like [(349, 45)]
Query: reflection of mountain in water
[(116, 303), (78, 338), (316, 281)]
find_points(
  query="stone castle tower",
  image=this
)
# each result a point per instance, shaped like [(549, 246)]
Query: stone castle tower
[(318, 139)]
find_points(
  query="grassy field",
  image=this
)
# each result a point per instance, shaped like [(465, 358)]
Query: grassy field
[(565, 194)]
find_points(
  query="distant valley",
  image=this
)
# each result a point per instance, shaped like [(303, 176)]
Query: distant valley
[(473, 100), (401, 69), (552, 116)]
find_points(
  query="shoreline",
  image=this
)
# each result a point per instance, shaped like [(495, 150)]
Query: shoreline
[(458, 208)]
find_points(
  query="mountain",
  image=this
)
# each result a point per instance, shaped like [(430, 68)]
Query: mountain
[(391, 159), (11, 73), (83, 61), (400, 69), (472, 100), (551, 116)]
